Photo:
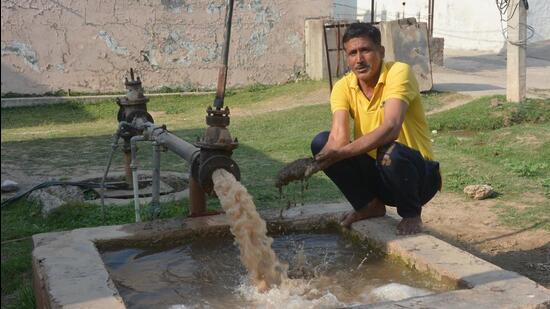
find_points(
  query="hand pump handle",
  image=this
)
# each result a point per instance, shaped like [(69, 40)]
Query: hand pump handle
[(222, 75)]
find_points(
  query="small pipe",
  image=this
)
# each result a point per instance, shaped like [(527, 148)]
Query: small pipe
[(114, 146), (155, 200), (134, 167), (197, 198), (127, 168), (123, 126)]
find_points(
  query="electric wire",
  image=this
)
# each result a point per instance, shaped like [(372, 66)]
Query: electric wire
[(503, 6)]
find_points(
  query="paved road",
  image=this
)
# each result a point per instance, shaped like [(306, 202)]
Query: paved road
[(481, 73)]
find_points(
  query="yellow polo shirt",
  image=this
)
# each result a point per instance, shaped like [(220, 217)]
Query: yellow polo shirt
[(396, 81)]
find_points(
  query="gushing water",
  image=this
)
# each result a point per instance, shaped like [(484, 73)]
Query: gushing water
[(250, 231), (272, 287)]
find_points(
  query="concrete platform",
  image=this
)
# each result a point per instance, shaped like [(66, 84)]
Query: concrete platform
[(69, 272)]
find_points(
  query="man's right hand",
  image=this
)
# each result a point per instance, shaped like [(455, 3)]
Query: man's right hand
[(327, 157)]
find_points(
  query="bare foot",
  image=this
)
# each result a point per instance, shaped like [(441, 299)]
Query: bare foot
[(409, 226), (375, 209)]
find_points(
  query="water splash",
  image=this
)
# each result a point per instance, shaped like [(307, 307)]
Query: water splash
[(309, 286), (271, 286), (291, 294)]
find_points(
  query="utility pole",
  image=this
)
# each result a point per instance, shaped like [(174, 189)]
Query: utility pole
[(516, 47)]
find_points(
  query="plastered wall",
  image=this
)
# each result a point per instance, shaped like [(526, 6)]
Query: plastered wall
[(88, 45)]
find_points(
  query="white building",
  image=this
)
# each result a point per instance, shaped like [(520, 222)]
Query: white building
[(464, 24)]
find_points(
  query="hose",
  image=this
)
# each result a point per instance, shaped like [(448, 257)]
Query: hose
[(81, 184)]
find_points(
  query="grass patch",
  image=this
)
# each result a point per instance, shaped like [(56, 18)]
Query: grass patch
[(506, 146), (77, 113), (506, 153), (488, 113)]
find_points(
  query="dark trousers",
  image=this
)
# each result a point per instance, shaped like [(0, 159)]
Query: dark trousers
[(399, 177)]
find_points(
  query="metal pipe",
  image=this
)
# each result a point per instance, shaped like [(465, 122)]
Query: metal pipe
[(127, 163), (328, 56), (175, 144), (190, 153), (222, 75), (372, 11), (197, 198), (134, 167), (155, 199), (431, 18), (338, 48)]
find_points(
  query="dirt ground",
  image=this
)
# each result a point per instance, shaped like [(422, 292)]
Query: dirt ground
[(473, 226)]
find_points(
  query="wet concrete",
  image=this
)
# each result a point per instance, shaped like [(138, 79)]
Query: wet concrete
[(69, 271)]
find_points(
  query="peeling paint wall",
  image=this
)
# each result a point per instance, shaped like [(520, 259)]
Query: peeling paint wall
[(89, 45)]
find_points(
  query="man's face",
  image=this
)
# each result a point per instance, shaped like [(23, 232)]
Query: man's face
[(364, 58)]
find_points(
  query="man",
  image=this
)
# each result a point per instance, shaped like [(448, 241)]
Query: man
[(390, 160)]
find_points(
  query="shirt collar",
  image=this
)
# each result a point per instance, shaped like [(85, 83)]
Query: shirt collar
[(381, 79)]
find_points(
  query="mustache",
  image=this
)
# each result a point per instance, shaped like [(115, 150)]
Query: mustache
[(361, 66)]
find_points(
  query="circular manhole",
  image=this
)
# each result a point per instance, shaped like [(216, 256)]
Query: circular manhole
[(173, 187)]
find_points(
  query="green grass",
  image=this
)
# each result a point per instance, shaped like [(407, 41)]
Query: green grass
[(77, 114), (16, 274), (506, 146), (491, 149), (481, 115)]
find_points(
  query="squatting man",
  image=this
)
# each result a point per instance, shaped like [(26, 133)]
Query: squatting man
[(390, 161)]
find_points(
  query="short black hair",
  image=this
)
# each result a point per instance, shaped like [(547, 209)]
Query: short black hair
[(358, 29)]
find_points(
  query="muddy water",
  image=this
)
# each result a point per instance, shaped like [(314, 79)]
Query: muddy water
[(325, 270), (298, 170), (250, 231), (320, 270)]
